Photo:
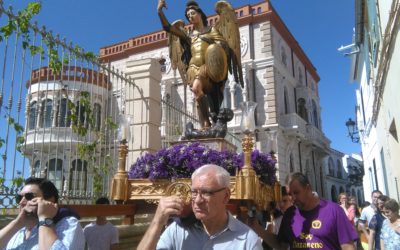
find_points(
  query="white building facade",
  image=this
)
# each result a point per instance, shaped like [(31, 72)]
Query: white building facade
[(375, 59)]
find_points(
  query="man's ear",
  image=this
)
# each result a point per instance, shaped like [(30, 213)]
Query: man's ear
[(227, 195), (52, 199)]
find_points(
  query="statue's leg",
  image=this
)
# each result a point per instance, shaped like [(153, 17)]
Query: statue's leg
[(202, 104), (215, 98)]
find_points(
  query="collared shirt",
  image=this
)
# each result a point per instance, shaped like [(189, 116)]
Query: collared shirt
[(68, 230), (235, 236), (366, 214)]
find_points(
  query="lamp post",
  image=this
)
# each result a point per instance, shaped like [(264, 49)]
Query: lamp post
[(352, 130), (246, 178), (119, 190)]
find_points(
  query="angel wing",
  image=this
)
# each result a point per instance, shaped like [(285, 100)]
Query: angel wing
[(177, 51), (228, 27)]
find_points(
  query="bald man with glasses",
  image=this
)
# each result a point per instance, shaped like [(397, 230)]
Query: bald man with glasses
[(214, 227)]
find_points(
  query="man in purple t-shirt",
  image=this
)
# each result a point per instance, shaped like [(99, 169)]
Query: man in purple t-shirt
[(313, 223)]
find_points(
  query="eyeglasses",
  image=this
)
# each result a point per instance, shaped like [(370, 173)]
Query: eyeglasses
[(27, 196), (205, 194)]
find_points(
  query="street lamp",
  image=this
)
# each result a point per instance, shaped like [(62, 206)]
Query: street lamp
[(246, 177), (352, 130)]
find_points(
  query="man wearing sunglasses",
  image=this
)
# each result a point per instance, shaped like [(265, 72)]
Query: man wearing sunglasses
[(40, 224), (215, 227)]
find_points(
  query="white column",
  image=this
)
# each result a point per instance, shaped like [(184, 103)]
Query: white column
[(143, 103)]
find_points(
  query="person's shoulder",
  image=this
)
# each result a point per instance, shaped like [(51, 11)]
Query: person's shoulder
[(88, 226), (329, 204), (236, 225)]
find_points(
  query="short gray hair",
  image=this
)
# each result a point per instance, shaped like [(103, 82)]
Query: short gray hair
[(223, 177)]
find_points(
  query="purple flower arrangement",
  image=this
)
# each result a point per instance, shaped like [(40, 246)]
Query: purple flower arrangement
[(180, 161)]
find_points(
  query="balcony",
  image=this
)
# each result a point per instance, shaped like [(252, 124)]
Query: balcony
[(293, 125)]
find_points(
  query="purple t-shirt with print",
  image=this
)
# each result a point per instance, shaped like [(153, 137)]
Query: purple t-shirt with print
[(324, 227)]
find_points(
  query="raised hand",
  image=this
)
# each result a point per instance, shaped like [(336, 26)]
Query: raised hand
[(45, 209), (161, 4), (168, 206)]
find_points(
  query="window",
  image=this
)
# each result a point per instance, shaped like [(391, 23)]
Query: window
[(46, 110), (384, 172), (331, 167), (55, 173), (283, 56), (300, 74), (80, 113), (78, 175), (301, 109), (32, 115), (286, 100), (163, 65), (315, 114), (63, 119), (291, 163), (339, 168), (373, 30)]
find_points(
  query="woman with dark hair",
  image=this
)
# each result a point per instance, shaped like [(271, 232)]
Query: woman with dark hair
[(390, 232)]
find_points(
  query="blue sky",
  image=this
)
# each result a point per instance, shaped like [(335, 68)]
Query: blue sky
[(320, 27)]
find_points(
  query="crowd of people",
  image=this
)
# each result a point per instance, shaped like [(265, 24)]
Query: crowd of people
[(300, 220)]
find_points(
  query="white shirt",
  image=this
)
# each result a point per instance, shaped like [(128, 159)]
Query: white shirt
[(99, 237), (366, 215)]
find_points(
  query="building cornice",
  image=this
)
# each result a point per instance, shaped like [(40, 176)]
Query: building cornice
[(247, 14)]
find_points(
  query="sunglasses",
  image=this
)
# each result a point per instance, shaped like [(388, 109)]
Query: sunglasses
[(27, 196)]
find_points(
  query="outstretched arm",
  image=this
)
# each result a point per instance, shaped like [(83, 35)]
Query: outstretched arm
[(168, 206), (164, 21)]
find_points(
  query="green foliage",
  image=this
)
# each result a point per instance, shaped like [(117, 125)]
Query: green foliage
[(17, 182)]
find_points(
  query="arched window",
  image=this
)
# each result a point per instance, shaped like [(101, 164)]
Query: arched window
[(241, 13), (341, 190), (47, 108), (32, 115), (78, 175), (286, 100), (339, 168), (301, 109), (315, 114), (97, 116), (334, 193), (259, 10), (64, 115), (331, 167), (55, 173)]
